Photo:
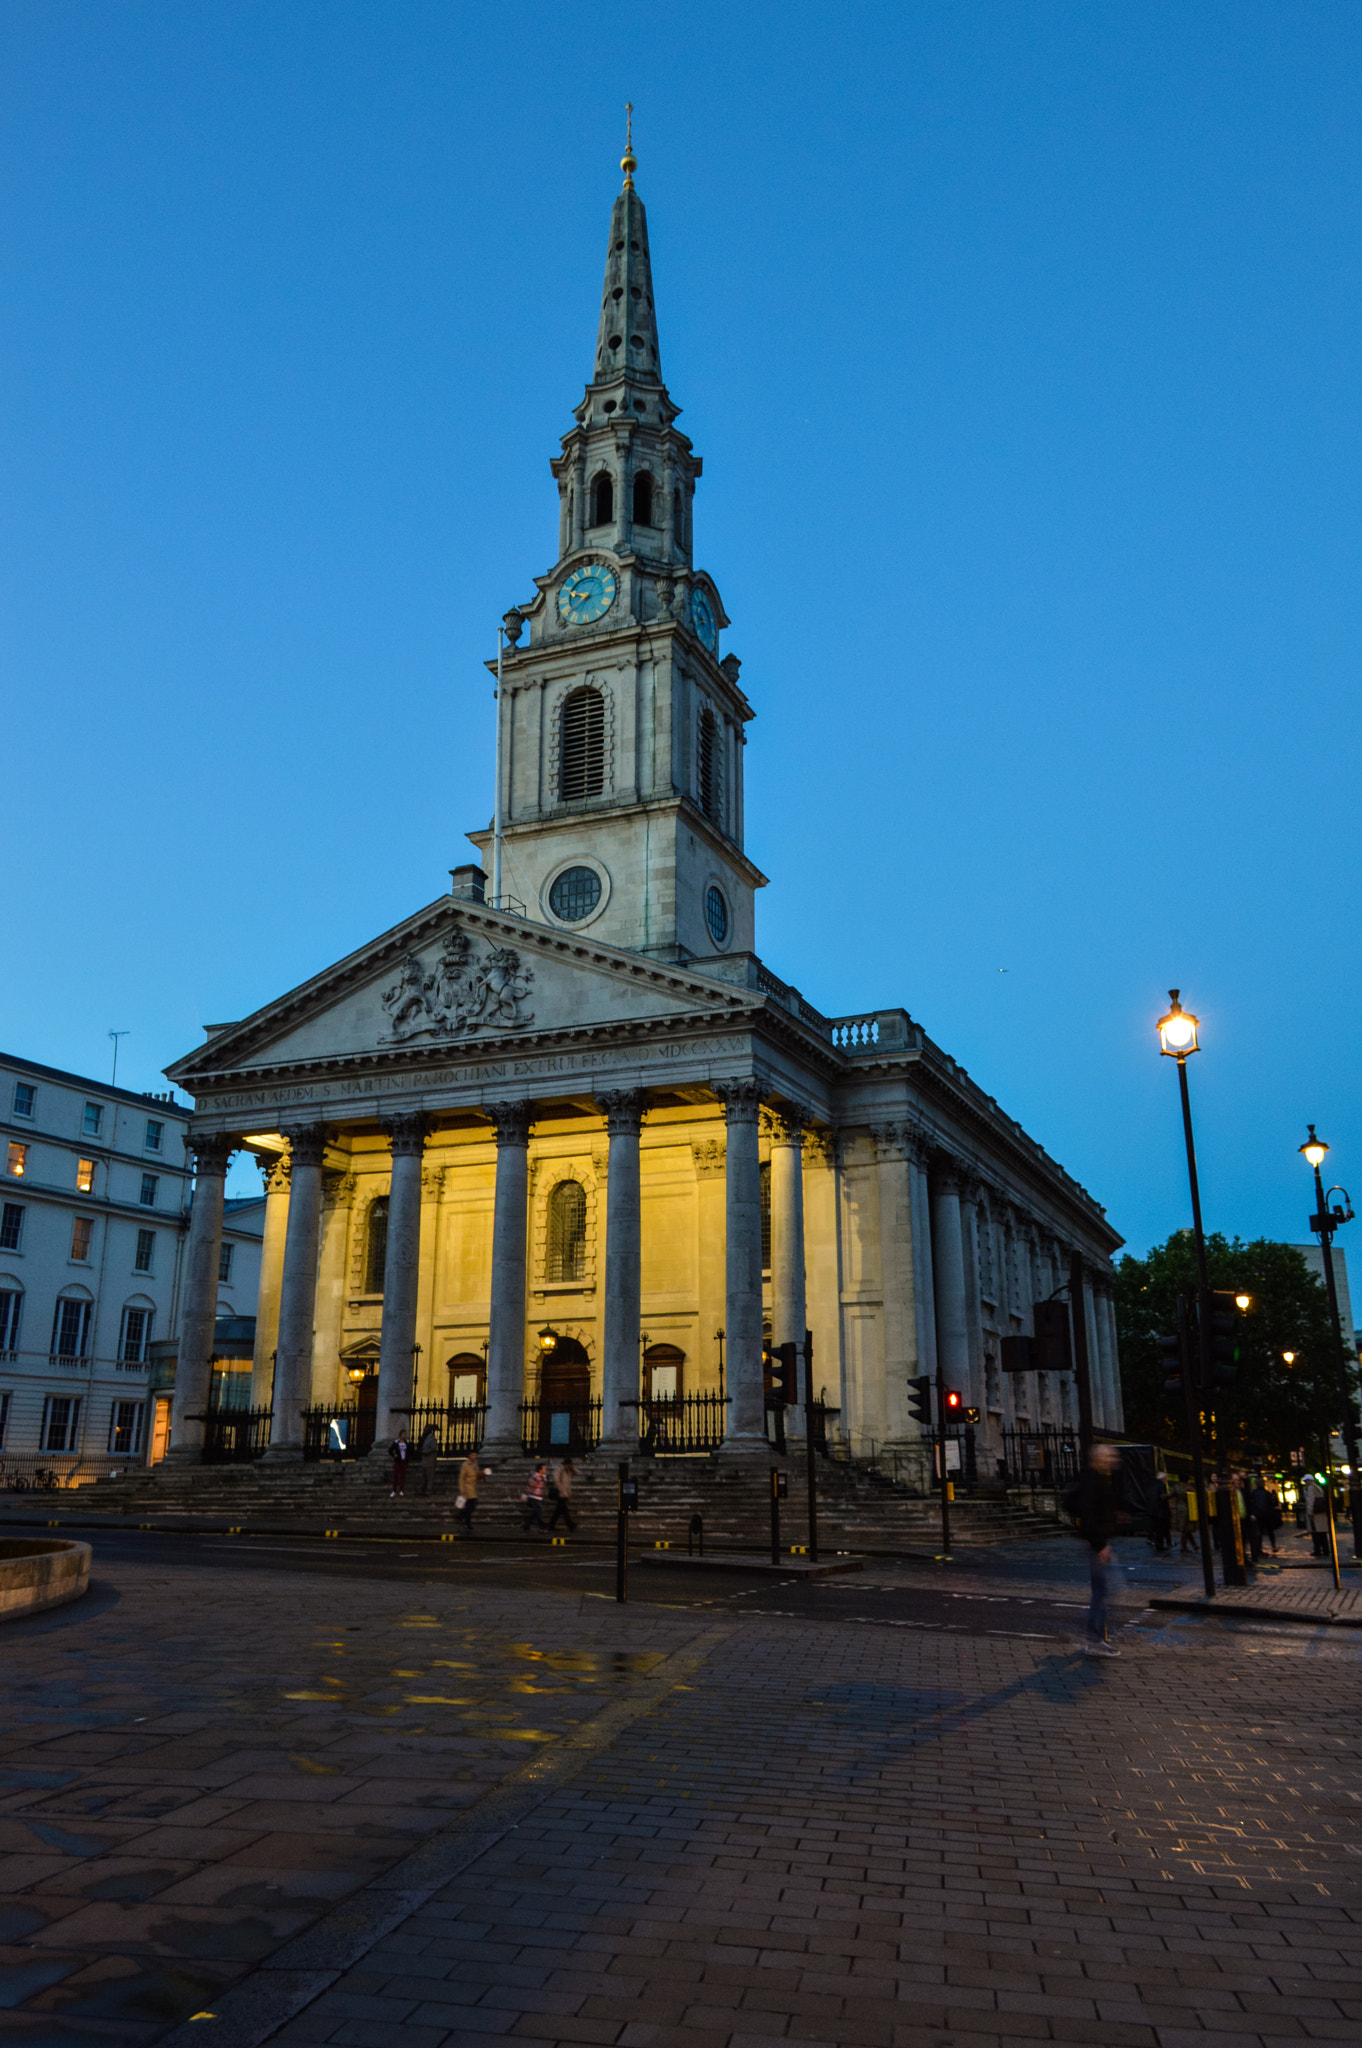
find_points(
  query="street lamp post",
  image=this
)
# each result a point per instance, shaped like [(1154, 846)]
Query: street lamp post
[(1324, 1223), (1178, 1040)]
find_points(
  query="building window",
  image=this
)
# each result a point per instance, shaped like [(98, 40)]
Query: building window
[(93, 1121), (710, 778), (581, 766), (25, 1098), (70, 1328), (82, 1230), (147, 1198), (716, 915), (4, 1418), (766, 1216), (61, 1422), (643, 499), (134, 1336), (146, 1247), (17, 1161), (465, 1379), (225, 1262), (11, 1227), (602, 500), (155, 1132), (376, 1248), (575, 894), (10, 1303), (567, 1231), (85, 1176), (125, 1428)]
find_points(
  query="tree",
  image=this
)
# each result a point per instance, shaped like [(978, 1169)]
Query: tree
[(1273, 1408)]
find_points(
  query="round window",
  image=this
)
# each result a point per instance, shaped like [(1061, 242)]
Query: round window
[(575, 894), (716, 916)]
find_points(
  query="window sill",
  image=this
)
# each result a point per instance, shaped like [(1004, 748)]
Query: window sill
[(565, 1287)]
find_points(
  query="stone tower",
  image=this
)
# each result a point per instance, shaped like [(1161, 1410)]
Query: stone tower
[(622, 730)]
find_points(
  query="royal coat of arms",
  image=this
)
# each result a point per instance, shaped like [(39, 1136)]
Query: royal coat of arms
[(458, 995)]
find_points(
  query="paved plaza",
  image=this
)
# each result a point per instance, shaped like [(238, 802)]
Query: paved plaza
[(374, 1795)]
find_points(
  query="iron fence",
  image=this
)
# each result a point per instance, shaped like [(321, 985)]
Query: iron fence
[(561, 1426), (459, 1426), (1045, 1460), (343, 1429), (682, 1426), (234, 1436)]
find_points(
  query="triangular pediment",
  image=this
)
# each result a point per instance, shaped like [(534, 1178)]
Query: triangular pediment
[(454, 977)]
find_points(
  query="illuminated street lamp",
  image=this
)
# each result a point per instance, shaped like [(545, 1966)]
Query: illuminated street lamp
[(1288, 1358), (1178, 1030), (548, 1339), (1324, 1223), (1178, 1041)]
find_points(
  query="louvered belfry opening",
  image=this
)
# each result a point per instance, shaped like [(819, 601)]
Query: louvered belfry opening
[(582, 755), (567, 1232), (643, 499), (710, 772)]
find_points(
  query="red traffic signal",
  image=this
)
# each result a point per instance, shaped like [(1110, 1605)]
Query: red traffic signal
[(954, 1401)]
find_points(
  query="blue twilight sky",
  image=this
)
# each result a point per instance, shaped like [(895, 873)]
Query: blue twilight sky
[(1021, 346)]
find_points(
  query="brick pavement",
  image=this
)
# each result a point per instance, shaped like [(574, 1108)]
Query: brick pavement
[(862, 1837)]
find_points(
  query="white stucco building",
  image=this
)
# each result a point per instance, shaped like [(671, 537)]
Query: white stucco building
[(575, 1140), (94, 1210)]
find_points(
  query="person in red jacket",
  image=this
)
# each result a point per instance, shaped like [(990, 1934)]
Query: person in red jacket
[(532, 1499)]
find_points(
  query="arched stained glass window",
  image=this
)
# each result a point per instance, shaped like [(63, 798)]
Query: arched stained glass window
[(567, 1232)]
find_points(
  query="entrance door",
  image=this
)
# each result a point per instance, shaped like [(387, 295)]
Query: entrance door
[(564, 1398), (160, 1429), (366, 1417)]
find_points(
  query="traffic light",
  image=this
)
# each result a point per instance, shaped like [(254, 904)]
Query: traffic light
[(780, 1365), (1219, 1308), (953, 1404), (1018, 1354), (973, 1415), (920, 1401), (1171, 1348), (1053, 1350)]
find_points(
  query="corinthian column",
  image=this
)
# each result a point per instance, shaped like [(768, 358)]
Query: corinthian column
[(275, 1173), (298, 1292), (623, 1110), (898, 1277), (742, 1319), (198, 1310), (506, 1332), (397, 1341), (952, 1309), (789, 1310)]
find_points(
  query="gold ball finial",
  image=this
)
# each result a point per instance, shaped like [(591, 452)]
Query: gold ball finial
[(628, 162)]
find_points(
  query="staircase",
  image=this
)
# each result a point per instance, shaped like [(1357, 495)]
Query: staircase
[(858, 1509)]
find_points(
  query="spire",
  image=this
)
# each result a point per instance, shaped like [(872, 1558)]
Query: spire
[(626, 345)]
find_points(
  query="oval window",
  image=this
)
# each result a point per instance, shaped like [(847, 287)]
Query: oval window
[(716, 916), (575, 894)]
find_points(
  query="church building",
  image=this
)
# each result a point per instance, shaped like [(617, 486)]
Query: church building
[(561, 1144)]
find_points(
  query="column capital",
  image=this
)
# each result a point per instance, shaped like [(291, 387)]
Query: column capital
[(338, 1189), (741, 1100), (512, 1121), (622, 1109), (785, 1126), (893, 1141), (406, 1134), (274, 1171), (709, 1154), (306, 1144), (212, 1150), (948, 1173)]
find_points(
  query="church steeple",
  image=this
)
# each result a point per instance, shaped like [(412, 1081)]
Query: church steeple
[(627, 355)]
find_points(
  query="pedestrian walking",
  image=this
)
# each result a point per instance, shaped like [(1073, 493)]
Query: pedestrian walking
[(560, 1493), (430, 1460), (1317, 1517), (466, 1500), (1162, 1513), (1096, 1515), (1253, 1528), (1191, 1536), (532, 1499), (401, 1455), (1267, 1512)]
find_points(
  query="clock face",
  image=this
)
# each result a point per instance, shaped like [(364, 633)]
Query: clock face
[(587, 594), (702, 618)]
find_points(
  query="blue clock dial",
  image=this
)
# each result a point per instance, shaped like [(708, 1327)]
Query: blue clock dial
[(587, 594), (702, 618)]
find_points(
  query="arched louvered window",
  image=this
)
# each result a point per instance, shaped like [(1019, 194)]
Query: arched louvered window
[(643, 499), (711, 767), (602, 499), (376, 1246), (581, 766), (766, 1217), (567, 1232)]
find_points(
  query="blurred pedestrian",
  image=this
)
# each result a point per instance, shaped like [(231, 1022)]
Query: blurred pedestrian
[(532, 1499), (401, 1454), (430, 1459), (1317, 1516), (560, 1493), (1096, 1506), (1267, 1512), (1252, 1527), (1191, 1537), (466, 1501), (1162, 1515)]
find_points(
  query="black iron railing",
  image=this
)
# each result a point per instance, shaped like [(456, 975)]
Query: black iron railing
[(1042, 1459), (682, 1426), (343, 1429), (459, 1426), (236, 1435), (548, 1426)]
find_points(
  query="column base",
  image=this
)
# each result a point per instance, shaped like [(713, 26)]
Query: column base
[(182, 1454), (283, 1454), (757, 1444)]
